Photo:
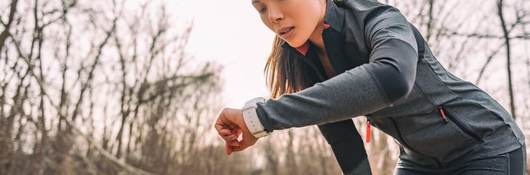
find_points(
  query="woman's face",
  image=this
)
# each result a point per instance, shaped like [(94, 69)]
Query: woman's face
[(292, 20)]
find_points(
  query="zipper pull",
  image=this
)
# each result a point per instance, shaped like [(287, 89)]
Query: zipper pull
[(368, 131), (442, 114)]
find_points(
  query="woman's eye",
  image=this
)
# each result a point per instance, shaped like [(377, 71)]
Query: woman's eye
[(261, 10)]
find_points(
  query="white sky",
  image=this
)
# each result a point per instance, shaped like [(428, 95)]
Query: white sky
[(231, 33)]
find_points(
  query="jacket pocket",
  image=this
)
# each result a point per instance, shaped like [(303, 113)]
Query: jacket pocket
[(430, 135), (447, 116)]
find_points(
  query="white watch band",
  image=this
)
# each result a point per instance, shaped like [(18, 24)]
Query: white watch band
[(251, 119)]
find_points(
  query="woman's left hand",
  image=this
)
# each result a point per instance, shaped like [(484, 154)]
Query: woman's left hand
[(230, 125)]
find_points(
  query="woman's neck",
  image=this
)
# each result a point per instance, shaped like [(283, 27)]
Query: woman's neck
[(316, 36), (317, 40)]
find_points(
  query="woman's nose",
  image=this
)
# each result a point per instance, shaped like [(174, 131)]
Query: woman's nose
[(275, 15)]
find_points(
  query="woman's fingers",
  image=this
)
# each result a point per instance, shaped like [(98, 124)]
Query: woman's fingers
[(231, 127), (247, 140), (225, 132), (228, 135), (223, 123), (238, 133), (234, 143), (231, 138), (230, 147)]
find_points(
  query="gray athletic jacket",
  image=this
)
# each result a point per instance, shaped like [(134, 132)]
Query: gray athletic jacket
[(436, 117)]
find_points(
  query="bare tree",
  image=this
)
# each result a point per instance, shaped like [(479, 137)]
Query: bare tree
[(90, 87)]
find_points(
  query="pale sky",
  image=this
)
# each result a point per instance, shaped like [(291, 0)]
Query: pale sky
[(229, 32)]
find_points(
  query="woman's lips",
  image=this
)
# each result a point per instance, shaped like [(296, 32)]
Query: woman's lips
[(287, 33)]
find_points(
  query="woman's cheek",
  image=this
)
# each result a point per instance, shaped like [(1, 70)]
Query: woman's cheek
[(300, 38)]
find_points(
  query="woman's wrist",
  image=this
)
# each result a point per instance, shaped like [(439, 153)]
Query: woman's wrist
[(251, 119)]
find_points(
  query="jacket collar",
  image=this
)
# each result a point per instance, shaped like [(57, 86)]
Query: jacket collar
[(334, 15), (333, 18)]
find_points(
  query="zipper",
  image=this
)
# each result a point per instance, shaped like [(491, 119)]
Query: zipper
[(402, 141), (368, 131), (444, 115)]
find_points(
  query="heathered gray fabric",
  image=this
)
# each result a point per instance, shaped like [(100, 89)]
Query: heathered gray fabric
[(327, 101), (393, 45), (375, 31)]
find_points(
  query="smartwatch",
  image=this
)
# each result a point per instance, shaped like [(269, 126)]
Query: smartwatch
[(251, 119)]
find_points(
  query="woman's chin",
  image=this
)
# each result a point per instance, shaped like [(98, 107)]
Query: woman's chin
[(295, 43)]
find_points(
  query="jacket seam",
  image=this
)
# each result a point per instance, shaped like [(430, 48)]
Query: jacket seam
[(379, 87)]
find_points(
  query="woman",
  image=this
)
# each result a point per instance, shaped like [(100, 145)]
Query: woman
[(335, 60)]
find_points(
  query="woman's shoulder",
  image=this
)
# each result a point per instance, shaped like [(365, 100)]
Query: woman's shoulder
[(360, 11), (364, 18), (364, 14), (364, 5)]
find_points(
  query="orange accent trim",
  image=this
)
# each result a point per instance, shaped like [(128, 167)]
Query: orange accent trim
[(442, 114), (368, 132)]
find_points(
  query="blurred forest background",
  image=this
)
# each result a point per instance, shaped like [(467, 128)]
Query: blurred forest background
[(107, 87)]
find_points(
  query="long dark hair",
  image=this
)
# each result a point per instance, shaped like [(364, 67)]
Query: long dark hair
[(284, 74)]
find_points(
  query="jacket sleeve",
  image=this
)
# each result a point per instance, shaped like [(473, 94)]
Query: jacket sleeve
[(388, 77)]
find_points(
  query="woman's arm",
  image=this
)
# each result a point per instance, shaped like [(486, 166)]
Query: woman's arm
[(388, 77)]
